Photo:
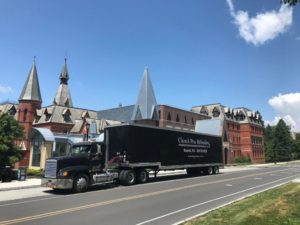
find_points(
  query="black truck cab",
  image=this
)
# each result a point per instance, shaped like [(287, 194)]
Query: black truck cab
[(76, 170)]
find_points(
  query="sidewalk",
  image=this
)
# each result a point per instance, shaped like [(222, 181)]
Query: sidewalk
[(15, 184)]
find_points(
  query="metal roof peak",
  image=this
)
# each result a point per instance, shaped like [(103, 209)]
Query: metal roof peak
[(146, 105), (31, 89)]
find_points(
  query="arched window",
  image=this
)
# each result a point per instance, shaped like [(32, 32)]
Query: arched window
[(177, 118), (25, 115), (169, 116)]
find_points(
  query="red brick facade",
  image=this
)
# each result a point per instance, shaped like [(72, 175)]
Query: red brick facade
[(172, 117), (26, 116)]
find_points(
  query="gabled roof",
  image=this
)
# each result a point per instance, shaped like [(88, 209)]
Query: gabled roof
[(31, 89), (146, 106)]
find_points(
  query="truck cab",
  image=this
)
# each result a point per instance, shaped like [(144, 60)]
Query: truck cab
[(80, 169)]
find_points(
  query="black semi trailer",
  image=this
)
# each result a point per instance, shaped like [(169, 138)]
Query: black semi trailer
[(127, 155)]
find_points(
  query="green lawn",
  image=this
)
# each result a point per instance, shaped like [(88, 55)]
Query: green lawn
[(278, 206)]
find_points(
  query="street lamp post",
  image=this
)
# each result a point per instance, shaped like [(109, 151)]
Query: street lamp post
[(87, 127)]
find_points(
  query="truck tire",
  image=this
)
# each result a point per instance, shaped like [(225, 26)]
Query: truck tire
[(142, 176), (208, 170), (127, 177), (215, 170), (81, 183), (193, 171)]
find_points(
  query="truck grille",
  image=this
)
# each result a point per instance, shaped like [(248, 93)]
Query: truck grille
[(51, 168)]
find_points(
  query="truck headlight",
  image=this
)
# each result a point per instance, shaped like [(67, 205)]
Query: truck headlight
[(62, 173), (65, 173)]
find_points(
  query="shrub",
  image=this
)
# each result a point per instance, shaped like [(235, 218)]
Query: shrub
[(35, 172), (243, 160)]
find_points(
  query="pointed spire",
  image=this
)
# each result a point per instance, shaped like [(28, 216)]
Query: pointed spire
[(31, 89), (63, 95), (146, 106), (64, 75)]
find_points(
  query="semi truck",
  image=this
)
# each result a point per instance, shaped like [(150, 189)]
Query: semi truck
[(129, 152)]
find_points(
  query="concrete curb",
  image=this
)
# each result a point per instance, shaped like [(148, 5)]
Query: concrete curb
[(19, 188)]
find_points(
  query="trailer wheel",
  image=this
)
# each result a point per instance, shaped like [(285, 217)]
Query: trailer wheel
[(193, 171), (142, 176), (80, 183), (127, 177), (208, 170), (215, 170)]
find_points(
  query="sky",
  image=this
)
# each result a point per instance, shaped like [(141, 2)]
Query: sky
[(237, 53)]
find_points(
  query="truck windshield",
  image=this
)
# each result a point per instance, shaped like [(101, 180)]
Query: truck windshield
[(80, 149)]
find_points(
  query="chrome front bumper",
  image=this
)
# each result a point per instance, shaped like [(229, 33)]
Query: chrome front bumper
[(57, 183)]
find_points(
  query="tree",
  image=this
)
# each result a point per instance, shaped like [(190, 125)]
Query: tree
[(10, 132), (290, 2), (296, 148), (282, 142), (268, 137)]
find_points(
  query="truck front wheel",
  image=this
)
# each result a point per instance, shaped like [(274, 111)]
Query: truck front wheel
[(127, 177), (80, 184), (142, 176)]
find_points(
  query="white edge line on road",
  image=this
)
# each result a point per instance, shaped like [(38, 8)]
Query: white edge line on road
[(212, 200)]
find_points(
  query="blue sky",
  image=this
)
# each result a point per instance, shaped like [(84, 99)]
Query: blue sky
[(238, 53)]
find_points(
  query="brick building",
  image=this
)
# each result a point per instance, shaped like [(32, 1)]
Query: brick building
[(242, 131), (49, 130)]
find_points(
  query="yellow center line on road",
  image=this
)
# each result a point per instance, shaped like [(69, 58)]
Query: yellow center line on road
[(98, 204)]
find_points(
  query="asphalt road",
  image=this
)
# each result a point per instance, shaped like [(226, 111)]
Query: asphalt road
[(166, 201)]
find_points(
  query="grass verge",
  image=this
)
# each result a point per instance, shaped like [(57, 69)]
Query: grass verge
[(279, 206)]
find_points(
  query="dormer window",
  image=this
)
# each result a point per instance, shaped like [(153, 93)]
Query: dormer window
[(204, 110), (240, 116), (12, 111), (48, 113), (216, 112), (85, 115), (67, 116), (38, 115)]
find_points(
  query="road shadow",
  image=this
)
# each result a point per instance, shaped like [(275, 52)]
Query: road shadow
[(152, 179)]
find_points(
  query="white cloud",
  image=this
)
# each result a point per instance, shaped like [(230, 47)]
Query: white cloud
[(264, 26), (287, 107), (5, 89)]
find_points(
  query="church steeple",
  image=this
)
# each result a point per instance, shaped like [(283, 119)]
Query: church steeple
[(146, 106), (31, 90), (64, 75), (63, 95), (30, 100)]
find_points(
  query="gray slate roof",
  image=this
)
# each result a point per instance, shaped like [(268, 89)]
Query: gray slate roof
[(122, 114), (31, 89), (240, 115), (10, 108)]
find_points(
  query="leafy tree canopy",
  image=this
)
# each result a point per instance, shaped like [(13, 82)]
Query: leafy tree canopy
[(10, 132), (282, 141)]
